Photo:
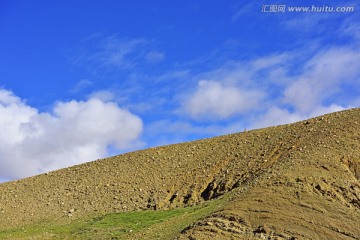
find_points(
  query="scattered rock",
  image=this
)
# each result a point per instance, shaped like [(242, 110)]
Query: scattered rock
[(283, 166)]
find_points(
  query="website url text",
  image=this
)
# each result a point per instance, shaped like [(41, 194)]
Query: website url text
[(313, 9)]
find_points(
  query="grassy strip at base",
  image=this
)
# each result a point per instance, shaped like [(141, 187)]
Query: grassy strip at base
[(126, 225)]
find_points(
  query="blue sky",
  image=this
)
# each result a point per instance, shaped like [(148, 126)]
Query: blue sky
[(82, 80)]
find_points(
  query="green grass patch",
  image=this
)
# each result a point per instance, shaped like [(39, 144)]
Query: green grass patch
[(127, 225)]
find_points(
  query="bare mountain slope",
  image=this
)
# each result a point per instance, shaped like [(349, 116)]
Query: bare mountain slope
[(296, 181)]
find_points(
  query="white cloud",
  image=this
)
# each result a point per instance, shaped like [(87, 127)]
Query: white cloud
[(111, 53), (275, 116), (215, 100), (351, 28), (154, 56), (278, 116), (99, 54), (322, 77), (245, 10), (32, 142), (313, 90), (103, 95), (115, 52), (308, 23), (235, 88), (290, 86), (81, 85), (321, 110), (270, 61)]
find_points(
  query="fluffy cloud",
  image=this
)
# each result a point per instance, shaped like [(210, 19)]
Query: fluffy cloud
[(277, 89), (74, 132), (324, 76), (215, 100)]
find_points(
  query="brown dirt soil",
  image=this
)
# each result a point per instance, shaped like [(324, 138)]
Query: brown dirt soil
[(296, 181)]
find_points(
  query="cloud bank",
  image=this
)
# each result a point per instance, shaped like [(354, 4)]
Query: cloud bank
[(276, 89), (33, 142)]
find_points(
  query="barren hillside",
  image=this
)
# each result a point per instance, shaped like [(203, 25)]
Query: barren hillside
[(296, 181)]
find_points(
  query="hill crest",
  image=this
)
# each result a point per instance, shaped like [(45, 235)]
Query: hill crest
[(310, 167)]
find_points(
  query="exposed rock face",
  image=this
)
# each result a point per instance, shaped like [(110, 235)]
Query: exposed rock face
[(297, 181)]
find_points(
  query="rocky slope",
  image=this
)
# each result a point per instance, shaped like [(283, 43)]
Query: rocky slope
[(296, 181)]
